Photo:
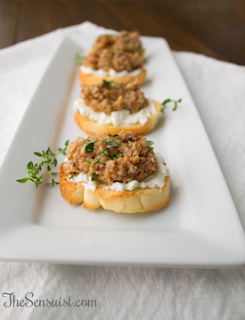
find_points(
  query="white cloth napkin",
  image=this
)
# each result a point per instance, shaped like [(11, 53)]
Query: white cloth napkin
[(218, 89)]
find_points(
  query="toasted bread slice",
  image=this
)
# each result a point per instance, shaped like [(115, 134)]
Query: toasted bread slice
[(137, 200), (95, 129), (89, 79)]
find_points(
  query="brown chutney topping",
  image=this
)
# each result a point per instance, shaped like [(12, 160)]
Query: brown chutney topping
[(108, 96), (118, 52), (111, 158)]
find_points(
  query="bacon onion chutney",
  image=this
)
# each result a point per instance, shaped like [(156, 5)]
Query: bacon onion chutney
[(110, 96), (118, 52), (122, 158)]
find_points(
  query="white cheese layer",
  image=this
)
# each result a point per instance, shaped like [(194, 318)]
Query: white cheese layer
[(111, 73), (156, 180), (116, 118), (86, 181)]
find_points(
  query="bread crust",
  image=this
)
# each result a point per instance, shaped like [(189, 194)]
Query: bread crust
[(89, 79), (137, 200), (95, 129)]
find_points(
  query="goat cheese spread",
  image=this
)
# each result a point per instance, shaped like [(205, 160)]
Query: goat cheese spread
[(111, 73), (116, 118)]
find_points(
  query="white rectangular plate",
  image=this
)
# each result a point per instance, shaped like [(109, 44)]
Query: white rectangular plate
[(200, 227)]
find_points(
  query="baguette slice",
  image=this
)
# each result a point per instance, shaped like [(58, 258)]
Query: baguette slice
[(137, 200), (90, 79), (95, 129)]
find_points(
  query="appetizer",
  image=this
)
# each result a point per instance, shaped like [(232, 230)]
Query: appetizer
[(114, 57), (113, 106), (118, 172)]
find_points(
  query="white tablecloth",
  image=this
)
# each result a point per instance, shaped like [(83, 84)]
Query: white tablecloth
[(218, 89)]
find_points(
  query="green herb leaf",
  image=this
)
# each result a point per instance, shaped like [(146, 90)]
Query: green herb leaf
[(94, 163), (79, 59), (30, 165), (165, 102), (113, 143), (105, 153), (130, 142), (71, 177), (90, 146), (108, 84), (93, 176), (92, 166), (115, 135), (109, 141), (118, 142), (148, 143), (24, 180), (112, 52), (122, 155), (88, 162), (37, 154)]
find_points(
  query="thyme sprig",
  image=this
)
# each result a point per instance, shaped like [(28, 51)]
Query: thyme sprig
[(165, 102), (48, 158), (79, 59)]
